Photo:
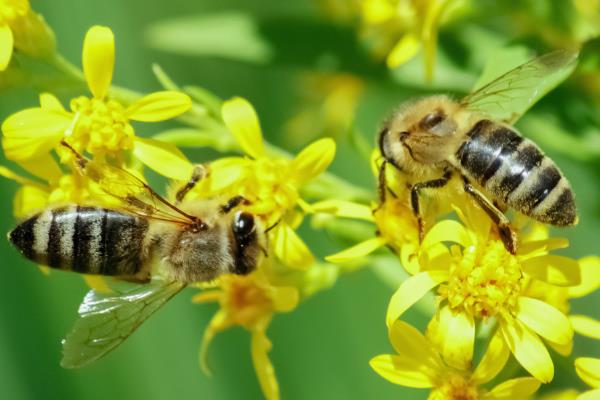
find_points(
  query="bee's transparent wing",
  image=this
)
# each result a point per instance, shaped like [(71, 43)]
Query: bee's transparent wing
[(105, 321), (509, 96)]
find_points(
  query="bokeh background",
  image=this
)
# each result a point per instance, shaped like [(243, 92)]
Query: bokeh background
[(278, 55)]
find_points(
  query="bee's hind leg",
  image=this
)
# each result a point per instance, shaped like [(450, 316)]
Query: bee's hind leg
[(508, 236), (414, 197), (200, 172)]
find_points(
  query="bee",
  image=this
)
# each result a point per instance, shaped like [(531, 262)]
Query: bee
[(435, 138), (150, 241)]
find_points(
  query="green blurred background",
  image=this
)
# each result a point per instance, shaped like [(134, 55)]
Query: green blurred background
[(321, 350)]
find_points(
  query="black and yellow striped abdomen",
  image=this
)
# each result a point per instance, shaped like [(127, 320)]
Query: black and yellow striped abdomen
[(515, 171), (88, 240)]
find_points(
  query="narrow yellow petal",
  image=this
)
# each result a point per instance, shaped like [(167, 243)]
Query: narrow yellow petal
[(290, 249), (586, 326), (241, 119), (98, 59), (312, 160), (207, 296), (216, 325), (49, 102), (590, 277), (344, 209), (359, 250), (564, 350), (98, 283), (542, 246), (588, 370), (454, 334), (518, 388), (528, 349), (32, 132), (263, 367), (412, 345), (556, 270), (406, 48), (411, 291), (44, 167), (493, 360), (225, 172), (7, 173), (159, 106), (29, 200), (164, 158), (590, 395), (401, 371), (545, 320), (6, 46), (447, 231)]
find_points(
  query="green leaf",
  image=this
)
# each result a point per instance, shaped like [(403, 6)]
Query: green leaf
[(231, 35)]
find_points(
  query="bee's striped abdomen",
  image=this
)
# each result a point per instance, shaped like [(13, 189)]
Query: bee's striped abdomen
[(89, 240), (515, 171)]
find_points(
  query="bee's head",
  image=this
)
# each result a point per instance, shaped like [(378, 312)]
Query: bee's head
[(246, 246)]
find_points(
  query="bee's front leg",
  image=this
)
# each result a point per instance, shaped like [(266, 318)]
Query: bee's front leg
[(200, 172), (414, 197)]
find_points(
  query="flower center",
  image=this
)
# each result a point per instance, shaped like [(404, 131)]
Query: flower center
[(246, 301), (102, 126), (484, 281), (11, 9), (455, 387), (396, 223)]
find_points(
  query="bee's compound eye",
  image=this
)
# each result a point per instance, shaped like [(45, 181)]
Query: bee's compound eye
[(431, 120), (243, 223)]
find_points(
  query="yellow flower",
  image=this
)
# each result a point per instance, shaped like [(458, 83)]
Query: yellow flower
[(419, 365), (588, 370), (400, 28), (271, 184), (99, 125), (248, 301), (24, 30), (478, 279)]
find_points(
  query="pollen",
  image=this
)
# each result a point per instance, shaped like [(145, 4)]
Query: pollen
[(101, 127), (247, 301), (396, 223), (456, 387), (484, 281)]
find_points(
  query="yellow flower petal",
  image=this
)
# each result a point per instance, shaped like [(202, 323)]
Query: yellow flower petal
[(493, 360), (344, 209), (564, 350), (225, 172), (6, 46), (159, 106), (207, 296), (539, 247), (454, 335), (265, 372), (49, 102), (590, 277), (401, 371), (241, 119), (588, 370), (32, 132), (98, 59), (545, 320), (518, 388), (312, 160), (98, 283), (447, 231), (528, 349), (585, 326), (44, 167), (590, 395), (29, 200), (404, 50), (411, 291), (556, 270), (359, 250), (290, 249), (164, 158), (7, 173), (285, 298), (412, 345), (217, 324)]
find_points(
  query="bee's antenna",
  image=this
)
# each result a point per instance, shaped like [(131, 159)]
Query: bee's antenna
[(273, 226)]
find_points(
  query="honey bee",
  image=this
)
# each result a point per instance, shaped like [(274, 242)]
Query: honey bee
[(150, 241), (435, 138)]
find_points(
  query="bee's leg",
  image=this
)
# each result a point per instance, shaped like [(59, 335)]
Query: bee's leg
[(382, 183), (200, 172), (508, 236), (233, 203), (414, 197)]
